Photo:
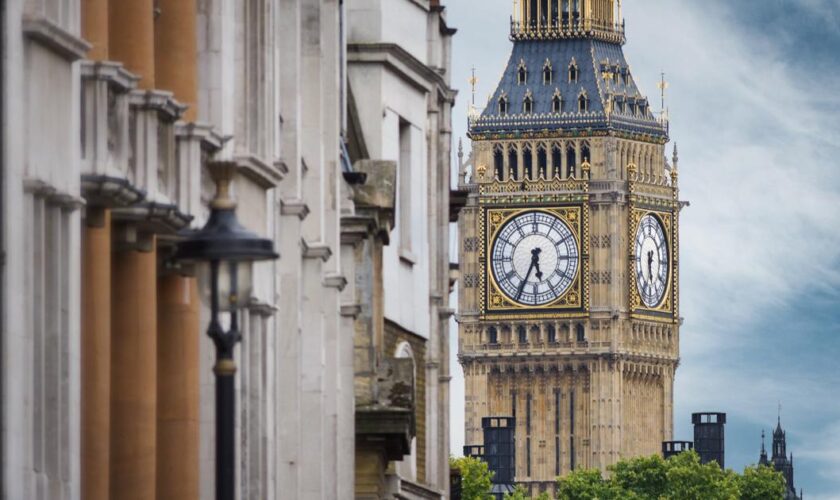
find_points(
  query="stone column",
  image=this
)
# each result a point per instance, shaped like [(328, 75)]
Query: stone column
[(178, 388), (132, 38), (96, 354), (134, 374), (95, 29), (176, 52)]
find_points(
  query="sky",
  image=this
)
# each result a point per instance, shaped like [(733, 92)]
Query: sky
[(755, 109)]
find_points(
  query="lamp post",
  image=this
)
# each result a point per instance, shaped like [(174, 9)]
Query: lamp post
[(224, 253)]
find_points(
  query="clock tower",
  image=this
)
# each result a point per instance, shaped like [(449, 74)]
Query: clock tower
[(569, 252)]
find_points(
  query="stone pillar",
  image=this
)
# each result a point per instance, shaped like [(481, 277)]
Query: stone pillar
[(178, 388), (176, 52), (96, 354), (95, 29), (134, 375), (131, 41)]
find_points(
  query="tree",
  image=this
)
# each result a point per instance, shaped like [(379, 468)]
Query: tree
[(761, 483), (475, 478), (682, 477), (518, 494)]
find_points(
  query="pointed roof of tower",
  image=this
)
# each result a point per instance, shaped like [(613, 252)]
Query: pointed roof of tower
[(762, 460)]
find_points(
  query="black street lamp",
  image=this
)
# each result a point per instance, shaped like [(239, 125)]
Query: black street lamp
[(224, 252)]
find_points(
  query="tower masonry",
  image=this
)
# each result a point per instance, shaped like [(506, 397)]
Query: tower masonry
[(569, 250)]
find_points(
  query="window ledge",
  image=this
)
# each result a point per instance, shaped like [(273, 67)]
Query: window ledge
[(55, 38)]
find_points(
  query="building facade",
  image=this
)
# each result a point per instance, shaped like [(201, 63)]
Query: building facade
[(569, 250), (780, 461), (113, 112)]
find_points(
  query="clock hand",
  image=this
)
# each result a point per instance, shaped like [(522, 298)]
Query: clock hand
[(650, 266), (524, 281), (535, 259)]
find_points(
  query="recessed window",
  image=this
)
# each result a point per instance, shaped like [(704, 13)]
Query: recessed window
[(581, 332), (522, 74), (547, 74), (574, 72), (503, 106), (552, 334), (528, 162), (583, 103), (528, 105), (499, 162), (542, 162), (522, 333), (556, 104), (492, 335)]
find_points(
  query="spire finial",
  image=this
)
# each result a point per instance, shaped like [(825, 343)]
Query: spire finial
[(663, 86), (473, 81)]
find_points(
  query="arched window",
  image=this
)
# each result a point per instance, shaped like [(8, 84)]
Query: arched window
[(565, 12), (583, 103), (581, 332), (552, 334), (556, 104), (522, 333), (499, 162), (547, 73), (522, 73), (571, 162), (513, 162), (492, 335), (574, 72), (542, 162), (528, 105), (528, 161), (584, 154), (557, 159), (503, 105)]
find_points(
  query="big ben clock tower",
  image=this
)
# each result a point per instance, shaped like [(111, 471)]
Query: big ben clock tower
[(569, 252)]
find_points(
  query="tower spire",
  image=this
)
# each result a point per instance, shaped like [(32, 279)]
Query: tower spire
[(663, 87)]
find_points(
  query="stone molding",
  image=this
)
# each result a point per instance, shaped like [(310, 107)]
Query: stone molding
[(55, 38)]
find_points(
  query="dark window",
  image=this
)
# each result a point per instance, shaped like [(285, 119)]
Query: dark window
[(572, 429), (581, 333), (547, 75), (583, 104), (542, 162), (557, 104), (528, 106), (492, 335), (557, 455), (499, 163), (528, 415), (574, 73), (528, 455), (528, 161), (513, 404), (523, 334), (557, 159), (522, 77), (513, 163), (584, 154), (503, 106), (552, 334), (571, 162)]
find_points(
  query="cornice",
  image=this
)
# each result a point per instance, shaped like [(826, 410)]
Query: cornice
[(258, 170), (403, 63), (55, 38), (158, 100), (109, 71)]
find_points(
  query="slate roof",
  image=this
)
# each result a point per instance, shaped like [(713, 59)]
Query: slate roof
[(592, 58)]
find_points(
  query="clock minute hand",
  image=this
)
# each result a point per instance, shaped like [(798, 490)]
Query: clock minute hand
[(525, 281)]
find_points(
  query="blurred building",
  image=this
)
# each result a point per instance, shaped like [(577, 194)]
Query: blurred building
[(111, 112), (780, 461)]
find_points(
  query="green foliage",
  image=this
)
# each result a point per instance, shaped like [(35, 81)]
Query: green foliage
[(682, 477), (475, 478), (762, 483), (518, 494), (543, 496)]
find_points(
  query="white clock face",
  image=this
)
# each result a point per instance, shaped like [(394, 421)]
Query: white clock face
[(534, 258), (652, 264)]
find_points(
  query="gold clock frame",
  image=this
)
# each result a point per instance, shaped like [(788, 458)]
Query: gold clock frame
[(574, 303), (667, 310)]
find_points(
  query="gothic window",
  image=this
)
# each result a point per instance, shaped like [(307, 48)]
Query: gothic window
[(583, 103), (513, 162), (522, 73), (557, 159), (533, 11), (556, 104), (574, 72), (552, 334), (503, 105), (492, 335), (554, 13), (565, 12), (547, 73), (499, 162), (528, 162), (522, 333), (528, 105), (584, 153), (542, 162), (571, 161), (581, 332)]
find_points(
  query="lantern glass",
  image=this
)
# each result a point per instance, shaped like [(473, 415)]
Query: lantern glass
[(228, 300)]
